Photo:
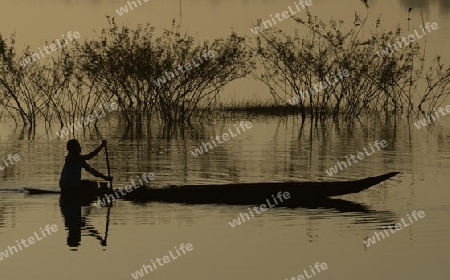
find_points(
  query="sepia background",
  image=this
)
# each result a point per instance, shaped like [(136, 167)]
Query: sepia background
[(281, 242)]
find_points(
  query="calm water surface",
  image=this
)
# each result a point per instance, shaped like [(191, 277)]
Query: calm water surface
[(278, 244)]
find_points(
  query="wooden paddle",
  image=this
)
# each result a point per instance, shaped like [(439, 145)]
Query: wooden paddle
[(107, 165)]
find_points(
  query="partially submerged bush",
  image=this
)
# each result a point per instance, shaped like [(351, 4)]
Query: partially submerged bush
[(124, 65), (140, 70), (291, 64)]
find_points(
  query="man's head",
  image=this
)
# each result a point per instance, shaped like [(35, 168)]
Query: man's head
[(73, 146)]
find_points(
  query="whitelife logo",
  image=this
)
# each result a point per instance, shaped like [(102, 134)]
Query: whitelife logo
[(165, 259), (263, 207), (31, 240), (123, 191), (316, 88), (123, 10), (86, 120), (52, 47), (225, 137), (423, 122), (411, 38), (285, 15), (318, 266), (16, 158), (393, 229), (360, 156), (184, 68)]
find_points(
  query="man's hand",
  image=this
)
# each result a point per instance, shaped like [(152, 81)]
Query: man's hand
[(107, 178), (103, 143)]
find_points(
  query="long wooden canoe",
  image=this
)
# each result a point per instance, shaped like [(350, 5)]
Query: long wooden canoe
[(246, 193)]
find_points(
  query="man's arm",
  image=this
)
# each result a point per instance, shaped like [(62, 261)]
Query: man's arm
[(93, 153), (94, 172)]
